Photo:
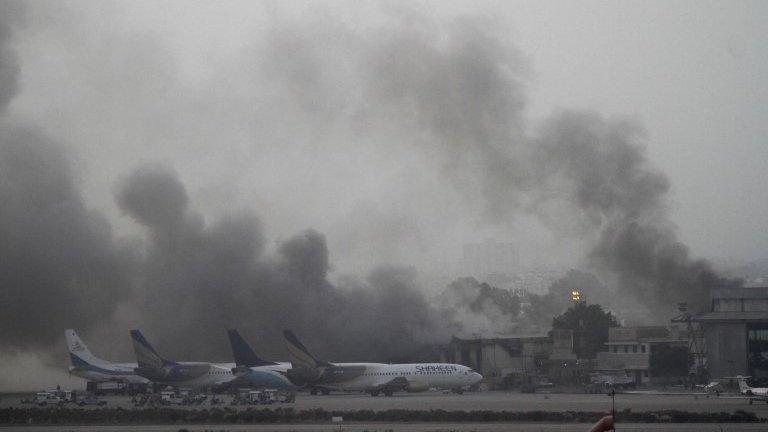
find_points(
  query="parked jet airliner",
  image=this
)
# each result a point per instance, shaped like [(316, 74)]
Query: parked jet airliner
[(754, 393), (182, 374), (255, 370), (376, 378), (87, 366)]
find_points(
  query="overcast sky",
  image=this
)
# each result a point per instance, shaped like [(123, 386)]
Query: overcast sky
[(184, 84)]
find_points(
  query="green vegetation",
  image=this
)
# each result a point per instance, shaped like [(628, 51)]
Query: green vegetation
[(670, 361), (119, 416), (590, 328)]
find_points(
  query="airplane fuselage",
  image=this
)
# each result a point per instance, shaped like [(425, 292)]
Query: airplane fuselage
[(269, 376), (119, 372), (746, 390), (190, 374), (373, 377)]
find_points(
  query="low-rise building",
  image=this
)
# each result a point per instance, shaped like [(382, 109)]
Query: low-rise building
[(500, 359), (520, 359), (736, 332), (628, 350)]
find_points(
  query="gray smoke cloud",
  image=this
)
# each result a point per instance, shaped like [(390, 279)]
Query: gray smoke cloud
[(581, 174), (59, 264), (200, 278), (9, 67), (457, 92), (452, 92)]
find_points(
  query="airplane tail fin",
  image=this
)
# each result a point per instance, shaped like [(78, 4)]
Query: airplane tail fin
[(79, 354), (243, 353), (146, 356), (299, 355), (743, 386)]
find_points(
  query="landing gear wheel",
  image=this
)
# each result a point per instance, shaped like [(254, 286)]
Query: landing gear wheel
[(388, 393), (313, 392), (375, 393), (325, 392)]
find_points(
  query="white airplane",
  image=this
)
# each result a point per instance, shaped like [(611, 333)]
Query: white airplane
[(254, 370), (179, 374), (85, 365), (754, 393), (377, 378)]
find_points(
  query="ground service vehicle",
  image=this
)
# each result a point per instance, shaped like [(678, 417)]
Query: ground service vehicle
[(47, 398), (92, 400), (171, 398)]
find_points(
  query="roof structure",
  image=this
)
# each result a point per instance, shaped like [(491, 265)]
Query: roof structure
[(732, 316)]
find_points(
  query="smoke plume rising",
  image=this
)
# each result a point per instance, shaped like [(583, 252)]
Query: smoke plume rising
[(59, 265), (442, 97), (216, 276)]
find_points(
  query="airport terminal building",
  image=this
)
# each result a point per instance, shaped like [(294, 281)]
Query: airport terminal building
[(736, 332)]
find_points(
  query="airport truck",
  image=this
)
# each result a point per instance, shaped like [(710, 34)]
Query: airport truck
[(279, 396), (171, 398), (47, 398), (91, 400), (263, 397)]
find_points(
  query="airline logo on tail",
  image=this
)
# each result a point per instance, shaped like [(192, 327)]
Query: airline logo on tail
[(74, 342), (79, 353), (77, 347), (87, 366)]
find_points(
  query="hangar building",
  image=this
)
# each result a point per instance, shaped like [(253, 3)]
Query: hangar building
[(736, 332), (517, 359)]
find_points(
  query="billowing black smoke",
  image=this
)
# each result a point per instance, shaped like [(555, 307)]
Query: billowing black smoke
[(618, 197), (578, 172), (59, 264), (199, 278), (456, 92)]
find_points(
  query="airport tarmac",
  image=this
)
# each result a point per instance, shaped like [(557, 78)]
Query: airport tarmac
[(491, 400)]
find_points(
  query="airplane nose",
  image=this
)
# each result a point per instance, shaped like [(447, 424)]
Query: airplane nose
[(476, 378)]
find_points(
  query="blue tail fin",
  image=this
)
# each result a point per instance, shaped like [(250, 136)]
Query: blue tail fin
[(146, 356), (244, 355)]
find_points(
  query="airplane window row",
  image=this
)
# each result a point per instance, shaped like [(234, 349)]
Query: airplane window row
[(406, 373)]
